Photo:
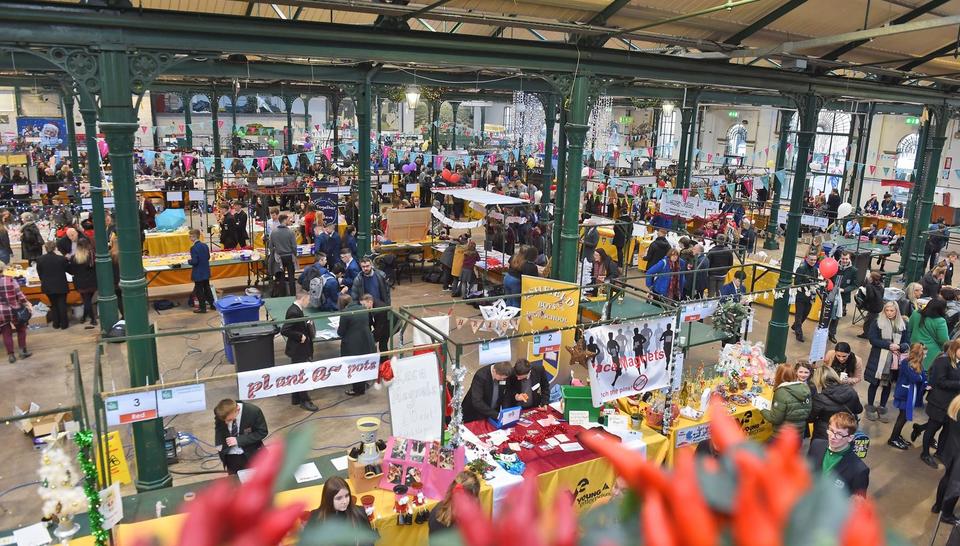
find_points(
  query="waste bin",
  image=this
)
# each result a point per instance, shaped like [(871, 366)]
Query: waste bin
[(234, 309), (253, 346)]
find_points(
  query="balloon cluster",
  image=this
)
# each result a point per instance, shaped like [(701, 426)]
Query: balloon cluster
[(828, 268), (451, 177), (408, 168)]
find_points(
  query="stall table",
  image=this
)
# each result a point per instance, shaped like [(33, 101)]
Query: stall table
[(863, 253), (159, 243), (173, 269), (899, 224), (276, 309), (763, 280)]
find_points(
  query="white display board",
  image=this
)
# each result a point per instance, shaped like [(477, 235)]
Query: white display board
[(416, 410), (130, 408), (184, 399)]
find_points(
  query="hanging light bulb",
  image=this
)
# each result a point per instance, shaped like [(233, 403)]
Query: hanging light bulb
[(413, 96), (668, 107)]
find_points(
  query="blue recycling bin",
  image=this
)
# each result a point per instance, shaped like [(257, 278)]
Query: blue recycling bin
[(234, 309)]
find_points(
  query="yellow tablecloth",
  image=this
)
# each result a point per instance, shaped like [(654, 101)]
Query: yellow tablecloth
[(767, 280), (167, 243)]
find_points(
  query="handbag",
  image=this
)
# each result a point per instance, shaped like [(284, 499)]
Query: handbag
[(21, 315)]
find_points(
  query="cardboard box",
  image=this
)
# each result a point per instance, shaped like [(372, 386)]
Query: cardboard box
[(358, 482), (43, 426)]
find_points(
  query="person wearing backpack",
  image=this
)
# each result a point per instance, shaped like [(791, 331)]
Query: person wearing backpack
[(321, 284), (200, 272)]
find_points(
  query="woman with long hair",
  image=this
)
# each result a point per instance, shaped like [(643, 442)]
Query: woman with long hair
[(604, 267), (948, 490), (791, 400), (442, 515), (908, 303), (6, 252), (833, 396), (336, 502), (929, 326), (804, 370), (911, 382), (944, 379), (889, 339), (115, 262), (83, 268), (665, 278), (849, 367)]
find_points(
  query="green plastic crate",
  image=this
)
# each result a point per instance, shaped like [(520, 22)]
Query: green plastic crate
[(578, 399)]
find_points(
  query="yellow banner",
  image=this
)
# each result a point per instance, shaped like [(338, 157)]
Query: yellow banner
[(119, 471), (545, 313), (13, 159), (590, 481)]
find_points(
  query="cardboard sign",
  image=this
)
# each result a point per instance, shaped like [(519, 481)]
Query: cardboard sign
[(130, 408), (416, 410), (307, 376), (494, 351), (543, 311), (184, 399), (546, 342), (111, 505)]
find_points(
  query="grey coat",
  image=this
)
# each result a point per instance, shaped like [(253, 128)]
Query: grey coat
[(283, 242)]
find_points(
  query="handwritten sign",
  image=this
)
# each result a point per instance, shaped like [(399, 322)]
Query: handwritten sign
[(673, 204), (415, 398), (306, 376)]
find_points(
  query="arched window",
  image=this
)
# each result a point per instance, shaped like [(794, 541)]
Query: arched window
[(737, 140), (907, 152)]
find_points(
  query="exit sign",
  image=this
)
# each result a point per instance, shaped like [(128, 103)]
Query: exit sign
[(913, 121), (626, 120), (733, 114)]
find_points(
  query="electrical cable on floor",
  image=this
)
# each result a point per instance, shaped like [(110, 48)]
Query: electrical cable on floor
[(21, 486)]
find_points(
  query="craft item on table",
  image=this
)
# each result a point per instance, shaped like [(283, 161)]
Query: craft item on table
[(690, 413), (368, 502), (481, 468), (746, 358), (654, 412), (369, 452), (403, 505), (509, 461), (499, 311), (419, 505)]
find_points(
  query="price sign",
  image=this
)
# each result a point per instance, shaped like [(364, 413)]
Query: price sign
[(546, 342), (185, 399), (693, 435), (130, 408)]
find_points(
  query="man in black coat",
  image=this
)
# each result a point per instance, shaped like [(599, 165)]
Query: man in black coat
[(488, 392), (658, 249), (299, 343), (721, 260), (806, 273), (529, 385), (846, 280), (239, 430), (355, 335), (622, 231), (52, 269), (67, 244), (836, 455)]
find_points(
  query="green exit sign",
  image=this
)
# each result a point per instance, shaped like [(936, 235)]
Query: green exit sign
[(626, 120), (913, 121), (733, 114)]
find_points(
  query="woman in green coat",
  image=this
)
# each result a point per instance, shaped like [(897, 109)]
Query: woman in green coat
[(929, 327), (791, 400)]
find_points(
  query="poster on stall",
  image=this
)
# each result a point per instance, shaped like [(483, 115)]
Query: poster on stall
[(544, 312), (631, 357), (416, 411), (307, 376), (673, 204), (48, 132)]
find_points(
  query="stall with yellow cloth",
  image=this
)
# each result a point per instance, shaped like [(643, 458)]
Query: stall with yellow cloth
[(160, 243), (763, 278), (173, 269)]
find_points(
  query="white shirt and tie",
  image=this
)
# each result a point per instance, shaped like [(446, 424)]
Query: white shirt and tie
[(233, 429)]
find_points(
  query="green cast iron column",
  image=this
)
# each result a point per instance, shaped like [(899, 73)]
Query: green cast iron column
[(215, 129), (306, 117), (379, 119), (808, 107), (771, 243), (335, 106), (363, 107), (153, 120), (910, 217), (559, 195), (655, 135), (288, 142), (71, 132), (576, 132), (453, 137), (692, 139), (550, 110), (233, 126), (119, 122), (435, 128), (685, 117), (106, 296), (915, 265), (188, 119)]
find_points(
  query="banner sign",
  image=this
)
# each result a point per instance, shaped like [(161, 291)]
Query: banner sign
[(546, 312), (416, 411), (307, 376), (673, 204), (698, 310), (631, 357), (807, 220)]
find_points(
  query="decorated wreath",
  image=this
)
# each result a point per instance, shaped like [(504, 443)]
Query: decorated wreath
[(729, 316)]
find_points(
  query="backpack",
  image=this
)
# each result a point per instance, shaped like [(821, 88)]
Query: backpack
[(860, 297), (309, 274), (316, 290)]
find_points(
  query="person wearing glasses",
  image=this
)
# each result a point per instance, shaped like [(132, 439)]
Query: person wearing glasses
[(835, 455)]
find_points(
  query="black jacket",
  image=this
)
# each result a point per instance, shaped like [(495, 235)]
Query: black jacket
[(931, 286), (851, 472), (31, 242), (253, 429), (847, 279), (944, 386), (805, 274), (874, 297), (298, 351), (354, 331), (52, 270), (720, 256), (657, 250), (476, 404), (84, 276), (539, 384), (832, 399), (621, 231)]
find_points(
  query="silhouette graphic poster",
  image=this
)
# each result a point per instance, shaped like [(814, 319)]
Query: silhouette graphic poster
[(631, 357)]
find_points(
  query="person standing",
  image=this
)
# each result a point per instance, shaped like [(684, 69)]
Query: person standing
[(911, 383), (948, 490), (488, 392), (929, 326), (31, 242), (791, 400), (299, 346), (889, 340), (441, 516), (665, 277), (657, 250), (621, 236), (240, 225), (944, 386), (200, 272), (239, 429), (52, 270), (529, 385), (373, 281), (354, 332), (351, 269), (806, 273), (591, 238), (83, 268), (721, 260), (832, 397), (932, 281), (846, 280), (12, 299), (835, 455), (283, 248)]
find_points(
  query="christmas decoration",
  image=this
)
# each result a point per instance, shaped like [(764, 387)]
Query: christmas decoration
[(62, 497), (452, 434), (579, 355), (529, 121), (729, 316), (84, 441)]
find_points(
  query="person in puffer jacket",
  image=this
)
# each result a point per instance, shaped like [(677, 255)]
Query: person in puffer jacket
[(833, 396), (791, 400)]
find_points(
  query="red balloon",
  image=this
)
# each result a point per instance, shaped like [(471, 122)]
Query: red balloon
[(828, 268), (455, 178), (445, 175), (829, 285)]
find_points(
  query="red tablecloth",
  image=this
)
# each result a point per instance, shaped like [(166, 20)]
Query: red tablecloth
[(537, 460)]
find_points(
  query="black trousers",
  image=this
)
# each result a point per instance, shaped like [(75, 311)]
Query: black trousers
[(802, 307), (58, 307), (234, 463), (868, 322), (300, 397), (929, 429), (946, 505), (89, 309), (884, 391), (281, 286), (898, 425), (203, 294)]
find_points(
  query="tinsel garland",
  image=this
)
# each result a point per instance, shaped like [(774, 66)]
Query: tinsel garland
[(729, 316), (456, 420), (84, 441)]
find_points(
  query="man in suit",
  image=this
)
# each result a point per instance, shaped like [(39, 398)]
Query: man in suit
[(200, 274), (374, 282), (52, 270), (529, 385), (835, 455), (355, 335), (807, 272), (488, 392), (657, 250), (239, 430), (734, 289), (299, 343)]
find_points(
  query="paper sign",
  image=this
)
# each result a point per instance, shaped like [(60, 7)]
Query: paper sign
[(631, 358), (761, 403), (422, 335), (245, 475), (185, 399), (130, 408), (693, 435), (111, 505), (617, 421), (307, 472), (174, 196), (416, 410), (307, 376), (412, 187), (573, 446), (579, 418), (546, 342), (195, 195), (340, 463), (819, 346), (495, 351), (32, 535), (386, 188)]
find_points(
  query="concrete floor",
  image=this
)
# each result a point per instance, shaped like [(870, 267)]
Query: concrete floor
[(902, 486)]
